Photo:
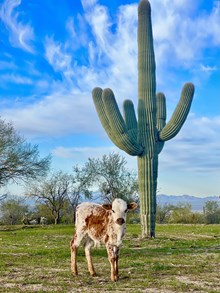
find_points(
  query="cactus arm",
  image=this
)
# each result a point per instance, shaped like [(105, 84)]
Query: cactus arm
[(160, 117), (161, 111), (111, 108), (100, 109), (130, 118), (118, 126), (180, 114)]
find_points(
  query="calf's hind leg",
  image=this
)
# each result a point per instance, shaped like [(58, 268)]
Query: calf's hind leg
[(74, 244), (88, 249)]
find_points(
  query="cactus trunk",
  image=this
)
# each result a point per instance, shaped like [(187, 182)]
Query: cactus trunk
[(143, 137), (147, 174)]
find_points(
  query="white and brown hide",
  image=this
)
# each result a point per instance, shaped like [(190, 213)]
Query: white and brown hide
[(97, 224)]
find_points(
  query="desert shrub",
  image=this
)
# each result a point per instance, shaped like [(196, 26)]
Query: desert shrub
[(13, 211), (212, 212)]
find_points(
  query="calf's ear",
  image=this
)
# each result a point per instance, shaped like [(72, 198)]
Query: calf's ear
[(132, 206), (107, 206)]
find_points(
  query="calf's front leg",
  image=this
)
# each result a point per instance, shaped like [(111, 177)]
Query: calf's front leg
[(113, 254), (73, 250)]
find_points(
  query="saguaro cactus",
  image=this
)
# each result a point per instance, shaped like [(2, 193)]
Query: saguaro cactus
[(143, 137)]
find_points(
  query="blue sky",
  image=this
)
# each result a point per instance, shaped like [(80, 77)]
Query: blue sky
[(53, 53)]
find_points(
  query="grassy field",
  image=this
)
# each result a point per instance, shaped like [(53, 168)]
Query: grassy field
[(183, 258)]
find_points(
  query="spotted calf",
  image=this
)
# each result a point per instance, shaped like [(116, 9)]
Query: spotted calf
[(100, 223)]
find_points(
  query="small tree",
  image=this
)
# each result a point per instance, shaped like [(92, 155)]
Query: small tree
[(111, 177), (212, 212), (81, 183), (42, 210), (181, 213), (164, 212), (19, 160), (13, 211)]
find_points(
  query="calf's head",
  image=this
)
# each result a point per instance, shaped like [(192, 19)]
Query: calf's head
[(119, 209)]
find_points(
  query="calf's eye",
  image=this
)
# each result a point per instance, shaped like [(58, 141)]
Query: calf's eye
[(113, 211)]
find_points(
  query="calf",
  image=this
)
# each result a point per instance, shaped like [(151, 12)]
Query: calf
[(95, 224)]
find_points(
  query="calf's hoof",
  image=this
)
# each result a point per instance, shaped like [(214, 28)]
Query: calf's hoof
[(114, 278)]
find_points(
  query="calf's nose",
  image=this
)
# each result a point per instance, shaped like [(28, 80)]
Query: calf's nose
[(120, 221)]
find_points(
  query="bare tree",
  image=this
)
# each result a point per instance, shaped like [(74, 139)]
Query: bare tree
[(19, 160), (59, 190), (53, 192)]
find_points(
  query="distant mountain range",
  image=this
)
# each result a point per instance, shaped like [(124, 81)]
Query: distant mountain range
[(197, 203)]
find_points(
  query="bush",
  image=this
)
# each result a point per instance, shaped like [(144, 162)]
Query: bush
[(178, 214), (13, 211), (212, 212)]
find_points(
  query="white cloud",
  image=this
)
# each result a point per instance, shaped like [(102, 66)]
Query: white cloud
[(181, 35), (56, 115), (57, 57), (88, 3), (115, 52), (189, 163), (195, 148), (7, 65), (208, 68), (21, 35), (82, 152), (17, 79), (70, 156), (70, 28)]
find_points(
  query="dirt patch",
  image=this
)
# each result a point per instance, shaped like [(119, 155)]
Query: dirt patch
[(156, 290), (31, 287), (204, 285)]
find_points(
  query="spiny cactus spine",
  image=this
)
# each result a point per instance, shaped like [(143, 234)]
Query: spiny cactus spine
[(143, 137)]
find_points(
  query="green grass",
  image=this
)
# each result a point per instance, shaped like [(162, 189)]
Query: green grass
[(183, 258)]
